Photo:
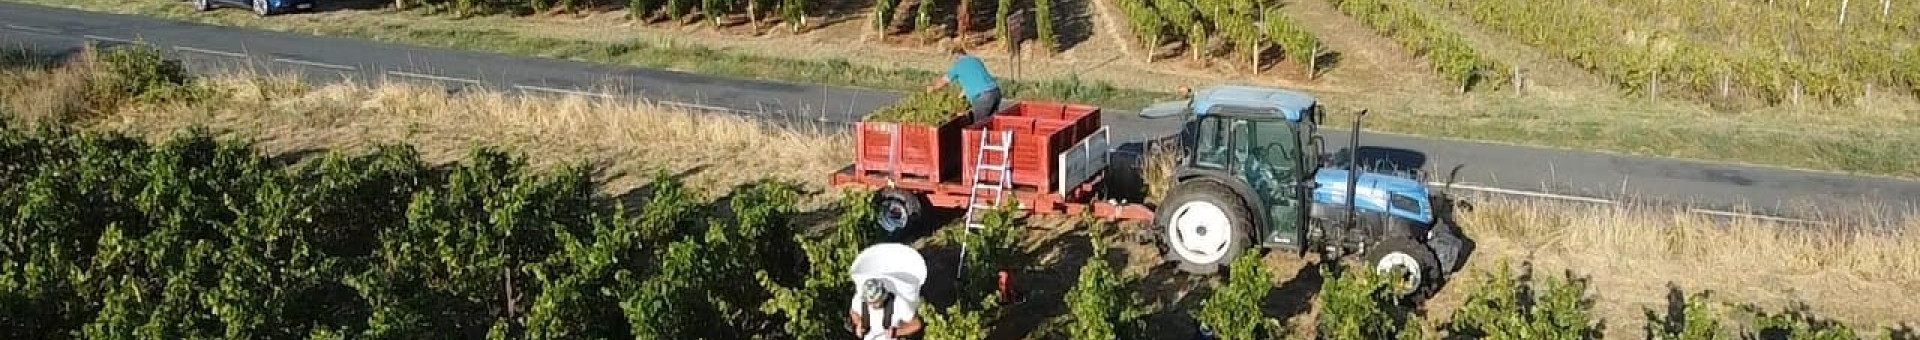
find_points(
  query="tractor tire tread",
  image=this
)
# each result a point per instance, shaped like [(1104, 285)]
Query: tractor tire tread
[(1237, 212)]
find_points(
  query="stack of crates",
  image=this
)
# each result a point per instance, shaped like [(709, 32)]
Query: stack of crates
[(925, 152), (1042, 130)]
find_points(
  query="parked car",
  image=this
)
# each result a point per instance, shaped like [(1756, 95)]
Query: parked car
[(261, 7)]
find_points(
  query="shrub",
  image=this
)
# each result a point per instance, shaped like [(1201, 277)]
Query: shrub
[(808, 307), (1102, 304), (794, 13), (1147, 25), (1043, 24), (1001, 14), (923, 16), (1356, 303), (1696, 321), (1796, 323), (1233, 312), (1415, 30), (1506, 309), (992, 248), (961, 321), (140, 73), (1298, 44), (883, 15)]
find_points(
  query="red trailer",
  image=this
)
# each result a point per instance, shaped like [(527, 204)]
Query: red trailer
[(1057, 157)]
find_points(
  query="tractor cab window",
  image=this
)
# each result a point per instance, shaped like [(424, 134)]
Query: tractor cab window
[(1405, 203), (1264, 152), (1275, 144), (1210, 142)]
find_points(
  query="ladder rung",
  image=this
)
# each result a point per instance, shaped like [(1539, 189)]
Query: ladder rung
[(1001, 148), (992, 168)]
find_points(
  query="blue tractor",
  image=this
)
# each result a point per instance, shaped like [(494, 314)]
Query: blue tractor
[(1254, 173)]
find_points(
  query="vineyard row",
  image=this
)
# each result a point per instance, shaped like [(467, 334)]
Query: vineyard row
[(929, 17), (1444, 48), (1249, 27), (1651, 61)]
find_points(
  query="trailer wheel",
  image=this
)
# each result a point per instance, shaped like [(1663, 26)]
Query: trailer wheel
[(898, 210), (1416, 264), (1205, 225)]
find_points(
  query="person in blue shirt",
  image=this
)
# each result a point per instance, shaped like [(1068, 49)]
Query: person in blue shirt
[(981, 90)]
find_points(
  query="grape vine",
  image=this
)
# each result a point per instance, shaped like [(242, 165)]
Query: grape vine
[(1445, 48), (115, 238)]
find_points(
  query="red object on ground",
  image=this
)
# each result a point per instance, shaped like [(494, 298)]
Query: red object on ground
[(1041, 131), (924, 151)]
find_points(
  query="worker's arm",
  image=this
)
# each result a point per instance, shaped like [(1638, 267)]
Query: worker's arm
[(938, 84), (907, 329), (854, 317)]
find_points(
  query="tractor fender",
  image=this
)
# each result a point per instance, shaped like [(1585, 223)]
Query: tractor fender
[(1255, 206)]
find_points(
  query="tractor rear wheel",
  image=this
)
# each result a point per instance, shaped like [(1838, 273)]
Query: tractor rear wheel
[(1206, 226), (898, 210), (1412, 261)]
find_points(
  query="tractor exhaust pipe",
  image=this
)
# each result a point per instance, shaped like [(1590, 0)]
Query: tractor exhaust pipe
[(1353, 173)]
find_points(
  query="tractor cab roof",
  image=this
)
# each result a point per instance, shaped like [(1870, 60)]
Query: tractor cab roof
[(1229, 98)]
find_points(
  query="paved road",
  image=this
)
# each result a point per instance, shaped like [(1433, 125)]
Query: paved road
[(1500, 169)]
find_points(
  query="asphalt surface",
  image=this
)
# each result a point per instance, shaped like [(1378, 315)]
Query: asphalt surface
[(1712, 188)]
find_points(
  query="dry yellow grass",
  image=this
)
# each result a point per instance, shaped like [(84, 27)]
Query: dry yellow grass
[(1863, 272), (630, 138), (1158, 168)]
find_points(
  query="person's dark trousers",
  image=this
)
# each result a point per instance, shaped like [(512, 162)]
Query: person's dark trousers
[(984, 105)]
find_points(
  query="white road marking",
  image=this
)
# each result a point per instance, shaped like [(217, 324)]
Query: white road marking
[(96, 37), (1752, 216), (562, 91), (315, 64), (207, 51), (433, 77), (1527, 193), (1611, 202), (33, 29), (697, 106)]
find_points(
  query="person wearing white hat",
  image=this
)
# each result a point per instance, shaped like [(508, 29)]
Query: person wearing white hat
[(878, 315)]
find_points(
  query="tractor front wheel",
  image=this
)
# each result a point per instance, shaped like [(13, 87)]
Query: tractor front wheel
[(1413, 263), (1205, 224)]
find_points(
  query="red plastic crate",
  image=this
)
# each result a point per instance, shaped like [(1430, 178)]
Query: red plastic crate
[(930, 152), (1041, 131)]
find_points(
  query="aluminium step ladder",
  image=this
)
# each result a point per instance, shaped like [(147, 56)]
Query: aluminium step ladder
[(997, 188)]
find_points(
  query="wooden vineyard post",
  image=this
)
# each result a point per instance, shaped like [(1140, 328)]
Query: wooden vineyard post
[(1843, 13), (964, 18)]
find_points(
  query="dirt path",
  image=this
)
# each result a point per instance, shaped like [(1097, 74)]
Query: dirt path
[(1366, 61)]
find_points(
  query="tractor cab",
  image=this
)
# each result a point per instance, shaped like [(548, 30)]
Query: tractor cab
[(1243, 177), (1254, 173)]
